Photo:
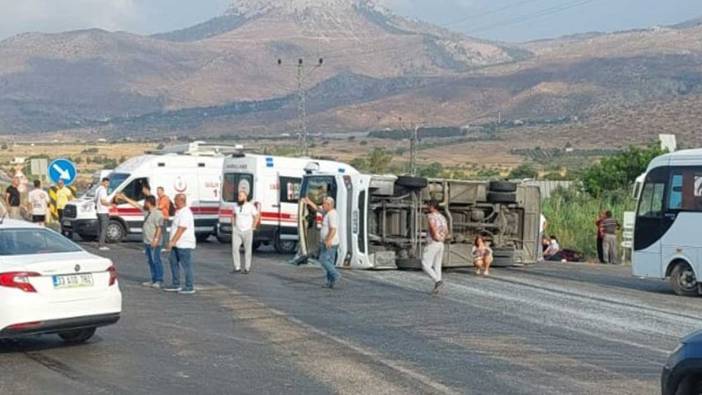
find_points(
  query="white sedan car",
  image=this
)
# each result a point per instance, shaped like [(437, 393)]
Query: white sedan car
[(49, 285)]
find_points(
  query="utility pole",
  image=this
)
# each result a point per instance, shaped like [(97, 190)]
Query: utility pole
[(414, 140), (302, 102)]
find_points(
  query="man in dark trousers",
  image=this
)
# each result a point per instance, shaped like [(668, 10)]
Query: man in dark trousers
[(600, 237), (12, 198)]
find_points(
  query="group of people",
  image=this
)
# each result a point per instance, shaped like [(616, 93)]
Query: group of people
[(38, 200), (178, 239)]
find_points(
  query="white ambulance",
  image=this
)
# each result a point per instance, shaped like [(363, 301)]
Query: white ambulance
[(194, 169), (273, 184)]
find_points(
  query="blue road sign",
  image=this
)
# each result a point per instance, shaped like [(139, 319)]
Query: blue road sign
[(63, 169)]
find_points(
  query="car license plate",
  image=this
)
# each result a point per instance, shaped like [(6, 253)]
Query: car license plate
[(73, 281)]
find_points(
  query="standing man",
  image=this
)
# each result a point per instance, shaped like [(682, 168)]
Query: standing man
[(600, 236), (329, 237), (245, 217), (164, 204), (181, 245), (38, 204), (151, 233), (63, 196), (102, 206), (434, 250), (12, 198), (609, 242)]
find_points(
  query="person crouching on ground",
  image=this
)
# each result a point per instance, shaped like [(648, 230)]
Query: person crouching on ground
[(151, 233), (245, 218), (181, 246), (482, 256), (330, 239), (434, 250)]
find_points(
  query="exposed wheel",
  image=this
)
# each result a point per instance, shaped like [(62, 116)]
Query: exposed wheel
[(256, 245), (284, 246), (224, 239), (502, 186), (411, 182), (683, 280), (77, 336), (115, 232), (202, 237), (502, 197)]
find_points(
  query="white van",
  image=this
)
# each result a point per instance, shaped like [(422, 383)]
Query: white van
[(273, 184), (194, 169), (382, 223)]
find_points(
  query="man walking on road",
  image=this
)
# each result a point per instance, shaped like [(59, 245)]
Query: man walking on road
[(165, 205), (329, 239), (434, 250), (245, 219), (182, 245), (102, 206), (38, 203), (12, 198), (609, 241), (64, 195), (151, 235)]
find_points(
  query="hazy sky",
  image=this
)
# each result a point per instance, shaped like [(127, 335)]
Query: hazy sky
[(508, 20)]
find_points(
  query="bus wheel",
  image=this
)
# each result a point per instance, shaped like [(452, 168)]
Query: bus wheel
[(683, 280)]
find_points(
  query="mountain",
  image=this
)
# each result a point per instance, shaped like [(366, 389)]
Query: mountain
[(58, 81), (222, 76)]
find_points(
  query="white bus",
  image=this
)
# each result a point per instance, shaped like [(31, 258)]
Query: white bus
[(667, 233)]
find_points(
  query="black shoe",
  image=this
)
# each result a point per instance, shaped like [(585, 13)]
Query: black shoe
[(329, 284), (236, 270), (246, 271), (437, 285)]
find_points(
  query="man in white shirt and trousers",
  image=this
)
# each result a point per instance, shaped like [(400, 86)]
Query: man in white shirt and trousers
[(245, 219), (102, 206), (181, 246)]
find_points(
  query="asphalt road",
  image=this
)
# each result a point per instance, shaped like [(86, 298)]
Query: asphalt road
[(547, 329)]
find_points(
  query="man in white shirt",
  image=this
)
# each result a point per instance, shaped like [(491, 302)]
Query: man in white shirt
[(245, 219), (182, 245), (102, 206), (329, 236), (39, 203)]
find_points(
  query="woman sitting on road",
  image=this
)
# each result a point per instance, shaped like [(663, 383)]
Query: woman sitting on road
[(482, 256), (553, 250)]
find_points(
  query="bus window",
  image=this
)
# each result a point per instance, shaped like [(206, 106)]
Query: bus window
[(675, 201), (652, 200)]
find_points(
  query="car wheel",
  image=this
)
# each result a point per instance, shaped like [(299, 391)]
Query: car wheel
[(683, 280), (224, 239), (115, 232), (410, 182), (202, 237), (502, 186), (77, 336), (284, 246), (255, 245), (502, 197)]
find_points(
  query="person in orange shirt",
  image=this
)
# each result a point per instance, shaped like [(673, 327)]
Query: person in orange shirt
[(164, 204)]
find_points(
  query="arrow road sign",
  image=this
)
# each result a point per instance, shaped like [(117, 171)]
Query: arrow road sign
[(64, 170)]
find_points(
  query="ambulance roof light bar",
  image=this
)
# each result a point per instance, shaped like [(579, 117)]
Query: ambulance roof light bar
[(200, 148)]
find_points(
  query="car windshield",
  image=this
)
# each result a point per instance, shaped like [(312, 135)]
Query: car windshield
[(116, 179), (33, 241)]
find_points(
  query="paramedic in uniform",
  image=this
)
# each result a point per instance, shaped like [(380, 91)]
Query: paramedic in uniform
[(245, 218), (434, 250)]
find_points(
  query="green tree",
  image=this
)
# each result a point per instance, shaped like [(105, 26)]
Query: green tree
[(379, 161), (433, 170), (618, 171), (524, 171)]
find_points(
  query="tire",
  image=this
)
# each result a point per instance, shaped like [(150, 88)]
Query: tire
[(255, 245), (412, 182), (224, 239), (115, 232), (202, 237), (502, 197), (502, 186), (77, 336), (683, 281), (284, 246)]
